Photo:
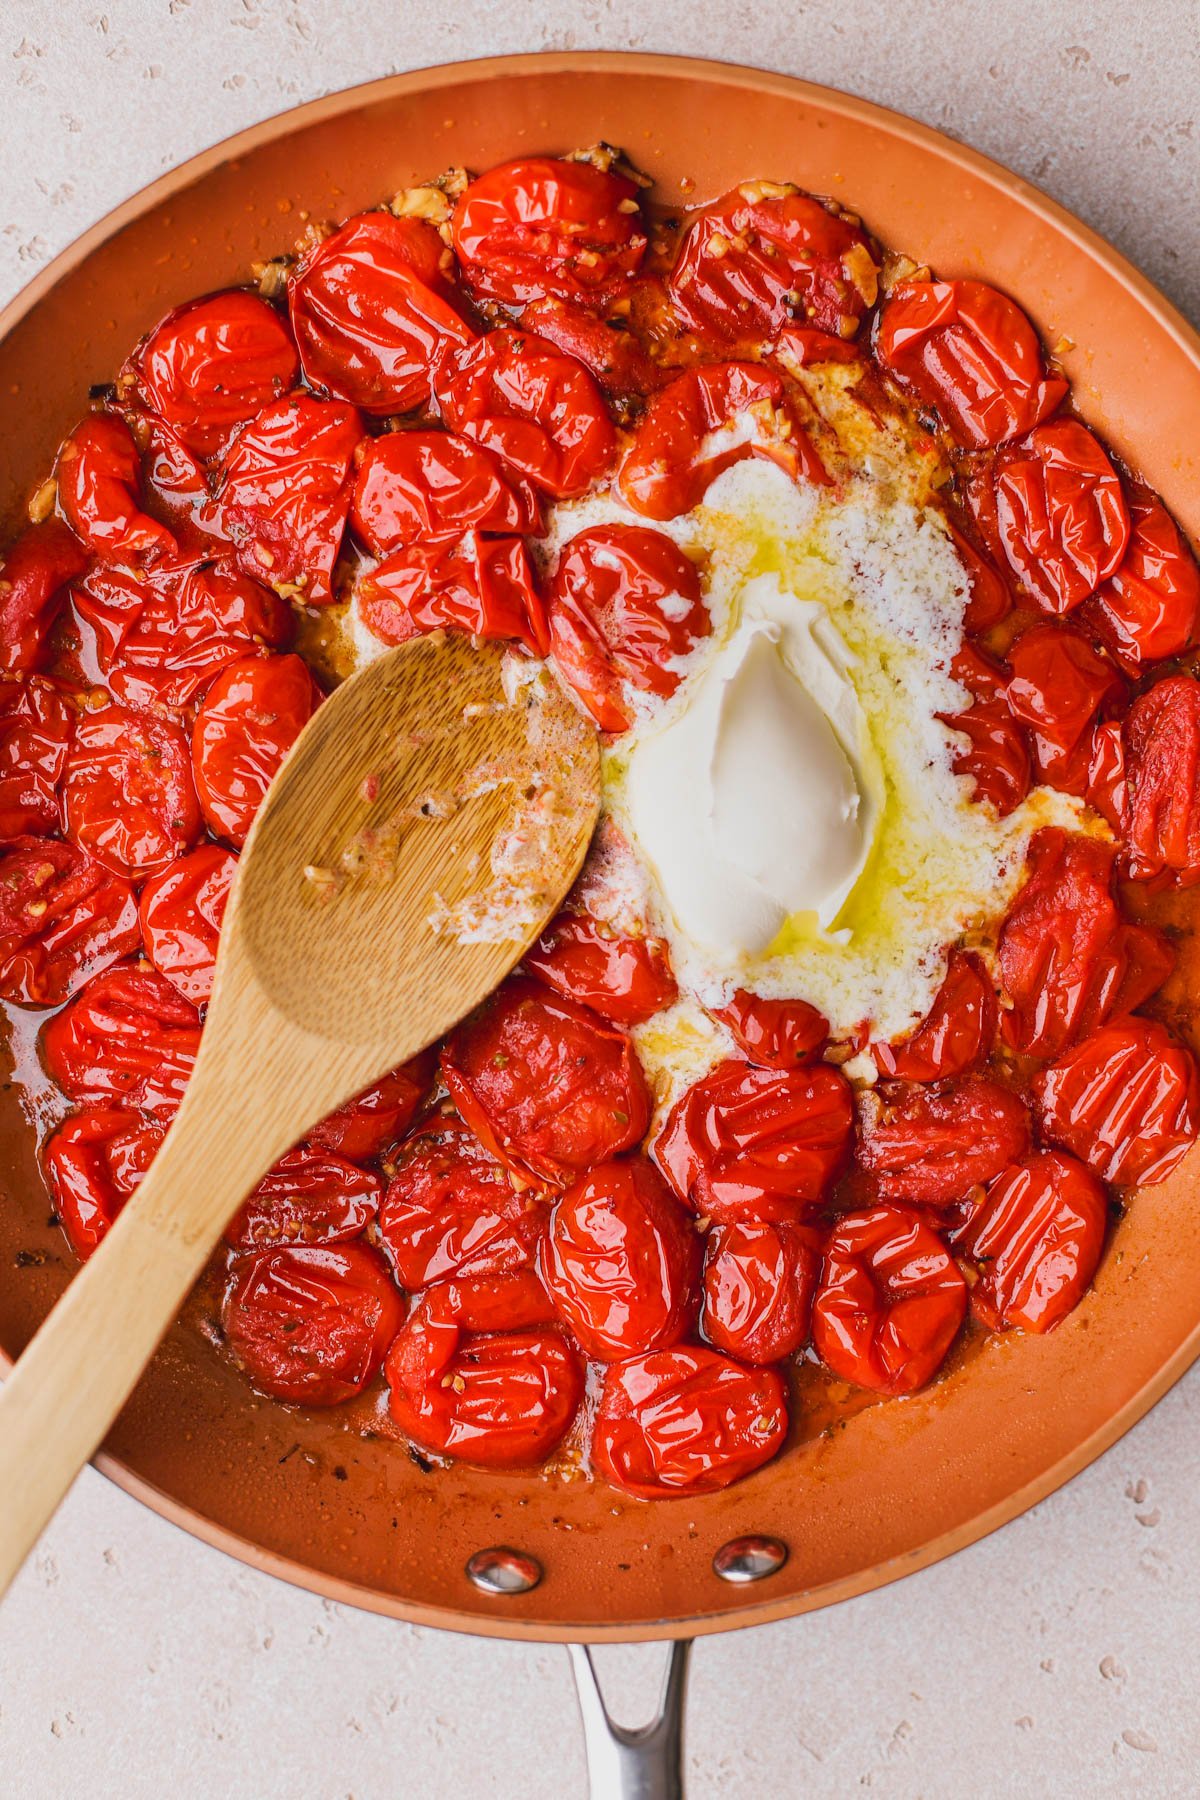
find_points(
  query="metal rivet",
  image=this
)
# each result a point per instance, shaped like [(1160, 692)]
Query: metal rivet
[(503, 1571), (746, 1559)]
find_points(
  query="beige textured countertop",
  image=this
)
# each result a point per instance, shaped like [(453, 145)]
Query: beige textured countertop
[(1060, 1657)]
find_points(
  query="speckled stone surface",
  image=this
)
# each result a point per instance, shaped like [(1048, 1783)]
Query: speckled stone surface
[(1061, 1657)]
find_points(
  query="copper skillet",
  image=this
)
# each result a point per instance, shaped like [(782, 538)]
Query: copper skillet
[(901, 1484)]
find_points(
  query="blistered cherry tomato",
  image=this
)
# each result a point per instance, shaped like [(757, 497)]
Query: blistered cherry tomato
[(803, 347), (957, 1033), (365, 1126), (483, 585), (970, 353), (1162, 767), (128, 797), (309, 1197), (891, 1301), (765, 256), (36, 726), (127, 1039), (1060, 514), (1150, 608), (452, 1210), (931, 1145), (374, 314), (174, 482), (1126, 1101), (1057, 685), (624, 979), (544, 226), (181, 912), (691, 433), (283, 492), (1037, 1235), (99, 476), (686, 1421), (34, 573), (989, 597), (1068, 957), (311, 1323), (1107, 790), (773, 1034), (759, 1281), (539, 410), (621, 1260), (746, 1143), (94, 1160), (996, 759), (62, 918), (249, 719), (212, 364), (614, 354), (415, 485), (545, 1084)]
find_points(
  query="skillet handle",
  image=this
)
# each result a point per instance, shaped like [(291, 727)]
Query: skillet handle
[(646, 1764)]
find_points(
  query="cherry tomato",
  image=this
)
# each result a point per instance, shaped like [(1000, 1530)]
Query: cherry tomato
[(248, 721), (374, 1119), (989, 597), (1060, 514), (413, 486), (36, 726), (996, 759), (62, 918), (686, 1421), (93, 1161), (1057, 686), (35, 570), (806, 348), (1162, 762), (621, 1260), (764, 256), (956, 1034), (283, 492), (930, 1146), (309, 1197), (1037, 1235), (1106, 786), (970, 354), (746, 1143), (374, 314), (173, 480), (99, 476), (540, 411), (452, 1210), (543, 226), (181, 912), (613, 353), (773, 1034), (691, 433), (1126, 1101), (502, 1400), (478, 584), (128, 798), (891, 1301), (1068, 957), (1150, 608), (311, 1323), (126, 1039), (545, 1084), (624, 979), (625, 608), (212, 364), (759, 1281)]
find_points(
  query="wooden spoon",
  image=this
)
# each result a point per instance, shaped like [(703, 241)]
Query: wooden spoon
[(424, 827)]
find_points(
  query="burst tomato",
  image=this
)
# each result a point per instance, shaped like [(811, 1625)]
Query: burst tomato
[(1106, 786), (1057, 686), (365, 1126), (36, 727), (126, 1039), (452, 1210), (309, 1197), (890, 1303), (1037, 1235), (1162, 768), (414, 486), (128, 797), (803, 347), (181, 912), (759, 1281), (543, 226), (212, 364), (1060, 514), (311, 1323), (99, 476), (614, 355), (773, 1034), (62, 919), (34, 573), (173, 480), (248, 721), (93, 1161), (989, 597), (957, 1033), (624, 979), (996, 759), (478, 584), (1126, 1101), (1150, 608), (931, 1145)]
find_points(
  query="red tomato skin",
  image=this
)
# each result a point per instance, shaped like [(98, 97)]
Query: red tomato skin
[(759, 1282), (956, 1035), (451, 1210), (545, 1084), (891, 1301), (996, 759), (621, 1261), (806, 348), (99, 476), (483, 585), (374, 315), (212, 364), (1060, 514), (1056, 687), (309, 1197), (970, 353), (311, 1323), (181, 912), (685, 1421), (774, 1034), (928, 1146), (762, 1144), (126, 1039), (248, 721), (615, 357), (1107, 791), (63, 918), (1162, 762), (93, 1162), (128, 798), (1126, 1101), (376, 1118), (35, 571), (1149, 609), (542, 227), (989, 597), (36, 728), (625, 603), (624, 979), (1037, 1235), (415, 485)]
